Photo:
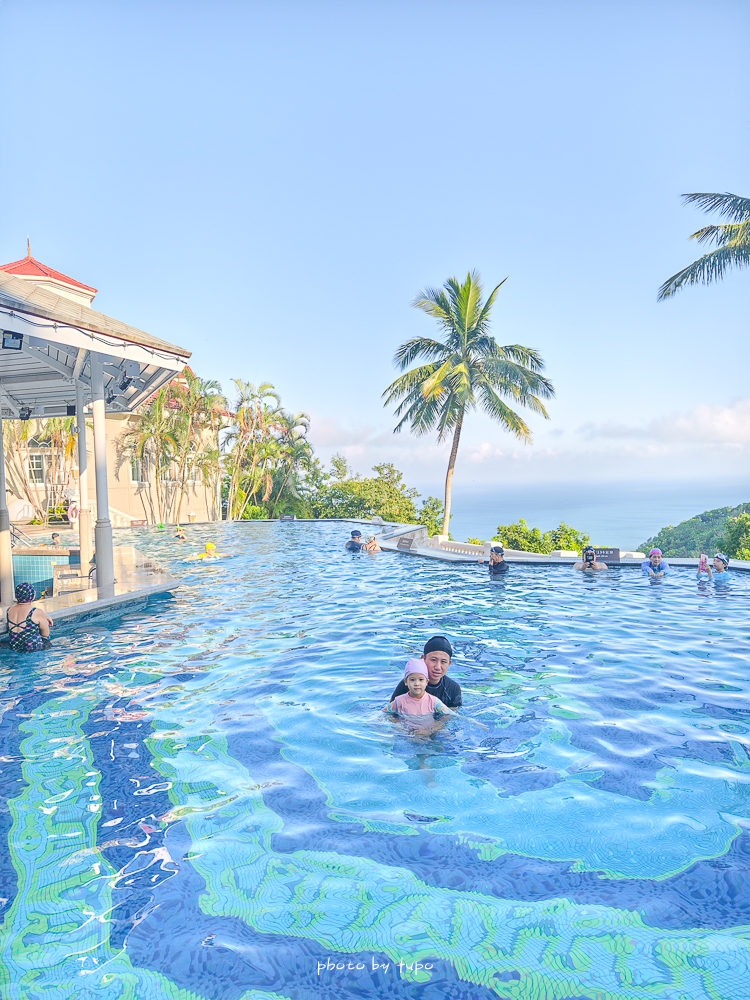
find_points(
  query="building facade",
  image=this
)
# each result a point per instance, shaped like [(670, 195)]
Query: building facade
[(42, 456)]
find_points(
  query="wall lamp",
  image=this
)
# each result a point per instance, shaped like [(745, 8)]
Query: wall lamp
[(12, 341)]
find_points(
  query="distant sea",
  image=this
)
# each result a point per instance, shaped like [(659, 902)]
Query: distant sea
[(622, 514)]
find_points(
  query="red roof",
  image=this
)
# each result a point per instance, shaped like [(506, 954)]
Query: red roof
[(29, 267)]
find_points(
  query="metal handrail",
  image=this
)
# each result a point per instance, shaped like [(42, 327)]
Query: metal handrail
[(19, 537)]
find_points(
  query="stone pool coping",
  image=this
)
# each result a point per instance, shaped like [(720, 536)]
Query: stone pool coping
[(393, 531)]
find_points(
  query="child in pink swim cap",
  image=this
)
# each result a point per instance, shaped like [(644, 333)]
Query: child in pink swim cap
[(416, 701)]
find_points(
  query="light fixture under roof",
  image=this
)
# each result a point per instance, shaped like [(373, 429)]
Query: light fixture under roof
[(12, 341)]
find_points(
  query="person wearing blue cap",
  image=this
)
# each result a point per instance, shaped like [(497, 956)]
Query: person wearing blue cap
[(28, 626), (355, 542), (437, 657)]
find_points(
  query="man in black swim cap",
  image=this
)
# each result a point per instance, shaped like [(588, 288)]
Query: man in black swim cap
[(438, 654), (498, 565), (355, 542)]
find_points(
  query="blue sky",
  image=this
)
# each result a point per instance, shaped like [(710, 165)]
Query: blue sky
[(270, 184)]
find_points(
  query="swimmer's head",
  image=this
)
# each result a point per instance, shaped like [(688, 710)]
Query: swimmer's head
[(416, 677), (438, 653), (722, 558), (25, 593), (588, 554), (415, 666), (210, 546), (498, 550)]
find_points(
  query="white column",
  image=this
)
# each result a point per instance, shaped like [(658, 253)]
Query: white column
[(105, 561), (84, 514), (7, 592)]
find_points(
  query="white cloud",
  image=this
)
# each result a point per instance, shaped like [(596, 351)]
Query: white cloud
[(676, 447), (484, 452), (704, 424)]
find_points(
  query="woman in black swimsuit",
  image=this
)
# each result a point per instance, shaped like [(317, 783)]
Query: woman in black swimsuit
[(28, 627)]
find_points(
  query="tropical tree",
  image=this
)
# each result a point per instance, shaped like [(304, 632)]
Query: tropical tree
[(196, 404), (732, 242), (57, 434), (384, 494), (465, 370), (267, 455), (294, 456), (208, 462), (152, 438), (18, 437), (246, 444)]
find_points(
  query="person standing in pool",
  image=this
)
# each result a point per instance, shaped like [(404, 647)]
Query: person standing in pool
[(719, 573), (437, 657), (589, 561), (655, 566), (498, 565), (28, 627), (355, 542), (417, 700)]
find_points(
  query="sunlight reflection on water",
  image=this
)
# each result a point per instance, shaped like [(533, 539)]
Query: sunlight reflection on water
[(207, 802)]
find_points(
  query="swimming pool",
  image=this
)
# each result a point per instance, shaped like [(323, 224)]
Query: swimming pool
[(207, 804)]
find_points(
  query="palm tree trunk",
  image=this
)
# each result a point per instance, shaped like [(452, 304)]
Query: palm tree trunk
[(449, 474)]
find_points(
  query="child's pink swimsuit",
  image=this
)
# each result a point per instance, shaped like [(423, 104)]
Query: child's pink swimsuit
[(428, 704)]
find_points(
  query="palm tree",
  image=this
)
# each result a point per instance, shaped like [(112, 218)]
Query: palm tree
[(152, 437), (19, 434), (195, 400), (468, 368), (295, 454), (248, 442), (732, 242)]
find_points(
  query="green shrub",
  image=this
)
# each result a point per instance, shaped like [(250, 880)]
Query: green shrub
[(254, 513), (475, 541), (521, 536), (737, 536), (430, 515), (384, 495)]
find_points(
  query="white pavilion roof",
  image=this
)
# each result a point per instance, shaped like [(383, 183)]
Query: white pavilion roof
[(58, 336)]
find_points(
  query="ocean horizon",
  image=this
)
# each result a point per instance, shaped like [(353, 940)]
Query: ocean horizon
[(620, 514)]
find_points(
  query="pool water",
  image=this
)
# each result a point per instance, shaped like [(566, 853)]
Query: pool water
[(206, 803)]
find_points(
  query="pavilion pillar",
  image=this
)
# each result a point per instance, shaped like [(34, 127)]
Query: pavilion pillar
[(84, 513), (7, 592), (105, 560)]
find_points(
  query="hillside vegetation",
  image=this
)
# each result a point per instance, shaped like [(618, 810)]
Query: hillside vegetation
[(726, 529)]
